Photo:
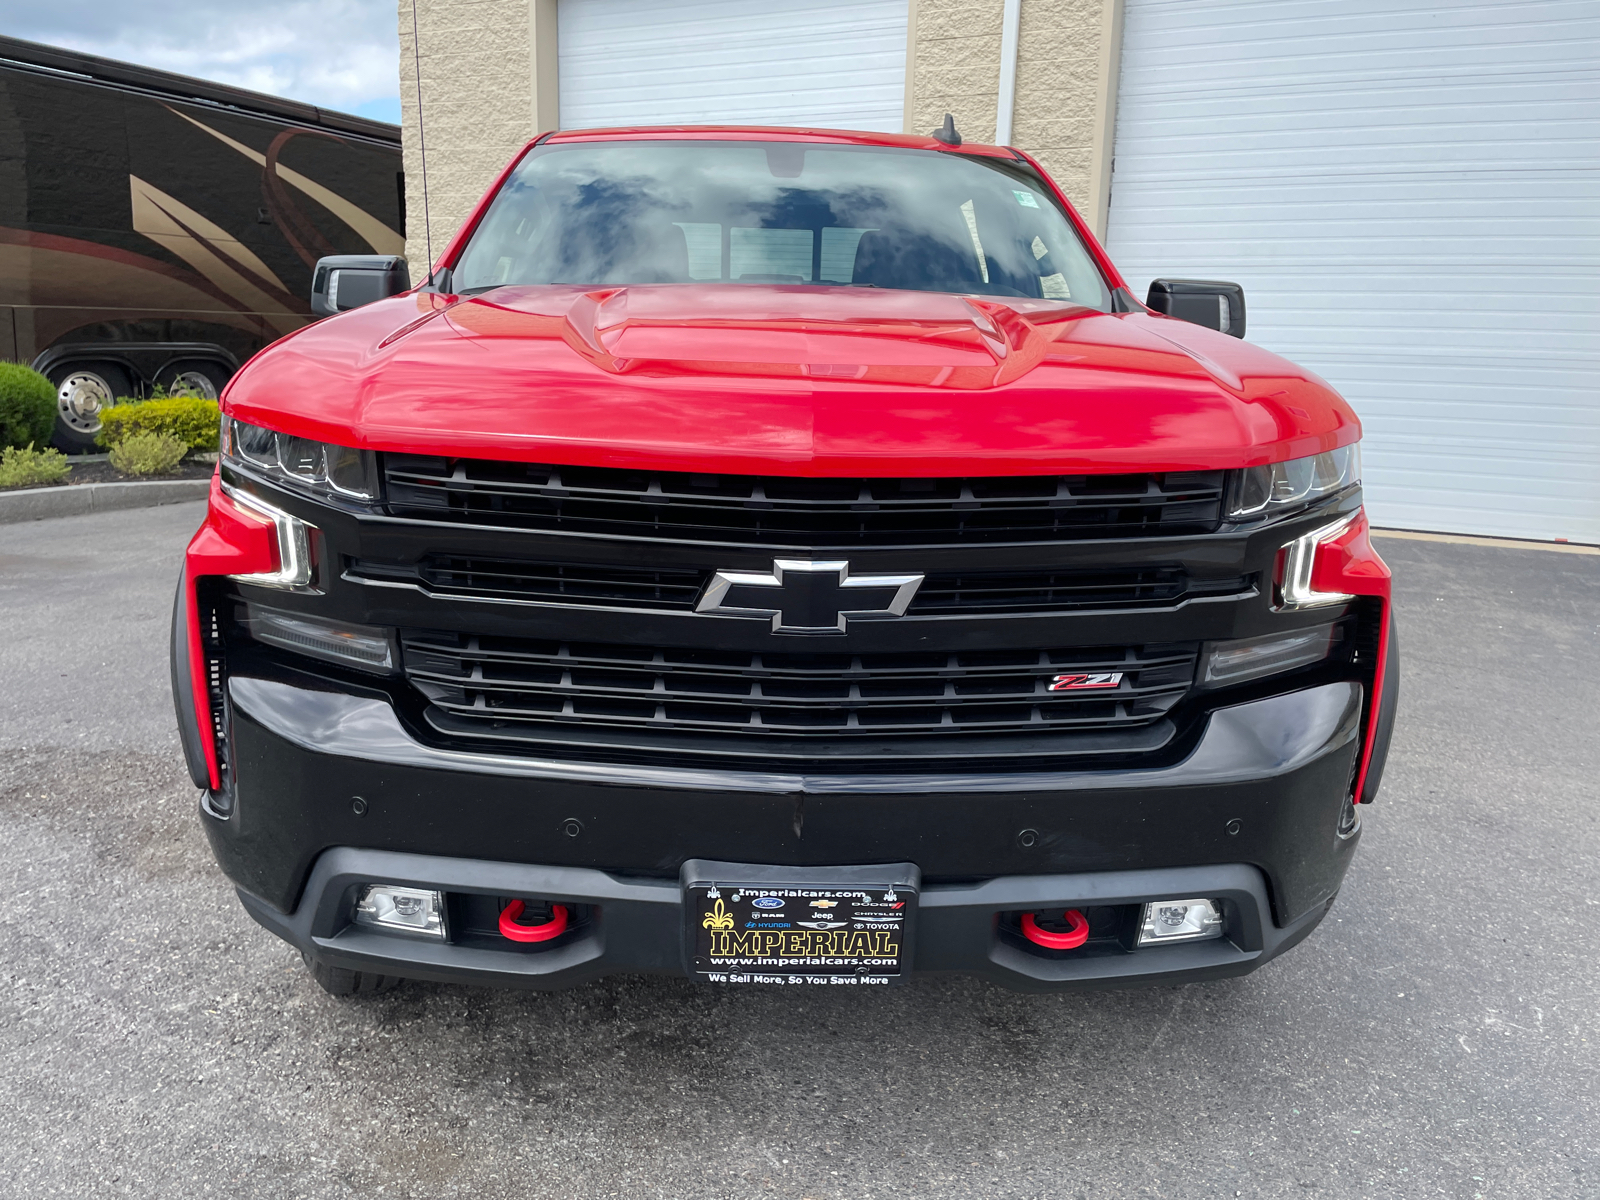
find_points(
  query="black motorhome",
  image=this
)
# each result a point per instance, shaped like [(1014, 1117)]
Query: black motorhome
[(156, 229)]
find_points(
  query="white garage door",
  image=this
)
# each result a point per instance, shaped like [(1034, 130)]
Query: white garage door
[(733, 62), (1410, 194)]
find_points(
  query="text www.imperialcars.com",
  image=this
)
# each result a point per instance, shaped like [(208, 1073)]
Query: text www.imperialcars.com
[(803, 962)]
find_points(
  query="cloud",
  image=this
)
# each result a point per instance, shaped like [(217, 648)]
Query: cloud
[(339, 54)]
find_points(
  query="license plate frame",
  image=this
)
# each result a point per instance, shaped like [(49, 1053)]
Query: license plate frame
[(821, 926)]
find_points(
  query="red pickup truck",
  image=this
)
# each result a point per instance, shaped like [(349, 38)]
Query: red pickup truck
[(783, 557)]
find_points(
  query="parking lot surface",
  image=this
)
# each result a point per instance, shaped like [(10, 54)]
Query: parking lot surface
[(1439, 1035)]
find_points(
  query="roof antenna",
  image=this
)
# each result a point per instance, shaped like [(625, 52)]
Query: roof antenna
[(422, 145), (946, 133)]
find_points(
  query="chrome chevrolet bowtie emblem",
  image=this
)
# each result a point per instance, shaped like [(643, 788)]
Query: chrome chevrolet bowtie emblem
[(808, 597)]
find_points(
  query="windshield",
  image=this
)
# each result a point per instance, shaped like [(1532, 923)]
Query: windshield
[(631, 212)]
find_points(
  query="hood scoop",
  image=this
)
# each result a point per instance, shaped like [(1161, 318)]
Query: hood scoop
[(860, 334)]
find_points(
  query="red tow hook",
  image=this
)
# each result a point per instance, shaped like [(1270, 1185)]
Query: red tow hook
[(553, 928), (1076, 935)]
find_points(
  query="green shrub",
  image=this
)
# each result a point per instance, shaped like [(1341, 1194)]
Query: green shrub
[(192, 420), (176, 389), (147, 454), (27, 406), (161, 392), (21, 467)]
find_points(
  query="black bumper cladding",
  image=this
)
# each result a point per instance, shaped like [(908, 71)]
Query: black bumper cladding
[(1248, 818), (639, 925)]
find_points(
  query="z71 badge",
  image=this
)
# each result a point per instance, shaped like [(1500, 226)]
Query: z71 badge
[(1084, 682)]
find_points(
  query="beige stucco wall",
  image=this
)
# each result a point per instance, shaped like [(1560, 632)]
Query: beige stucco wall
[(482, 100), (1058, 59), (488, 71), (1064, 110), (955, 66)]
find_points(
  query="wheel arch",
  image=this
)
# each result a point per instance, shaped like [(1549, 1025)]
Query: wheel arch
[(143, 361)]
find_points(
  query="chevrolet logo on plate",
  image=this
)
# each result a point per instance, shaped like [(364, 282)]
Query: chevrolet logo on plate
[(801, 596)]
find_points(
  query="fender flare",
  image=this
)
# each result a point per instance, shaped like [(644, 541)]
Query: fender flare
[(1388, 702), (183, 690)]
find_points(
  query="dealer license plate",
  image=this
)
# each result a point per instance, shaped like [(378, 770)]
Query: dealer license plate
[(809, 928)]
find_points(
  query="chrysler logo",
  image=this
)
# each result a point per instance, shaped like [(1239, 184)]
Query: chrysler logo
[(801, 596)]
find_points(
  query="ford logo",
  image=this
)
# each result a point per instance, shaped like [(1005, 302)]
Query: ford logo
[(767, 902)]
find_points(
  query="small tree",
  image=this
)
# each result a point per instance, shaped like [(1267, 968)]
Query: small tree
[(27, 406)]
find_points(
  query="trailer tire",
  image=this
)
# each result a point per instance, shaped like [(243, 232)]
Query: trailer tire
[(196, 375), (82, 389)]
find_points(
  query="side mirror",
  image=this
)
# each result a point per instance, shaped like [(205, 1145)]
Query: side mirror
[(346, 281), (1207, 302)]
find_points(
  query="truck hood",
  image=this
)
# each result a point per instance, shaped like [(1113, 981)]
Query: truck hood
[(788, 380)]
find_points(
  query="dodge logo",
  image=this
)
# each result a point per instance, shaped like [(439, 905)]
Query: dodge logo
[(801, 596)]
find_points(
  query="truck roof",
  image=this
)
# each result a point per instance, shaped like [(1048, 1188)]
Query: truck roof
[(775, 133), (109, 71)]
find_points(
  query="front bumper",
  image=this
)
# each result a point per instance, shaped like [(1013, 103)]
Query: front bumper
[(637, 924), (1251, 815)]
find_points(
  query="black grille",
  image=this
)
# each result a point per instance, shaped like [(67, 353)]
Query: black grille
[(495, 683), (558, 583), (794, 512), (678, 588), (1051, 591)]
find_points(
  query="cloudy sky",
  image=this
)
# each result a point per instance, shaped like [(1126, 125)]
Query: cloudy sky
[(340, 54)]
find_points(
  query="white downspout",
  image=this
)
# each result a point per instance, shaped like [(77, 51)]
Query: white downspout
[(1009, 36)]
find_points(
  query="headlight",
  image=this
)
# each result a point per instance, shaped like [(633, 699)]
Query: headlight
[(1282, 487), (316, 468)]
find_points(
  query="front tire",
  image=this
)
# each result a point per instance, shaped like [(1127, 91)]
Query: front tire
[(82, 390), (340, 981)]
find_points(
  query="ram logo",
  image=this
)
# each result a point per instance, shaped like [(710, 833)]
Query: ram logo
[(1085, 682)]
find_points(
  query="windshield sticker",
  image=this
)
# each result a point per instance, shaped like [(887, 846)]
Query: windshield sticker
[(1026, 199), (971, 214)]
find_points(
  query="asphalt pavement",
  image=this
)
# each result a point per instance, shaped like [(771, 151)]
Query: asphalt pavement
[(1439, 1035)]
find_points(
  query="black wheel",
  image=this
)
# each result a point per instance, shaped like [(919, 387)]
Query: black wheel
[(199, 376), (82, 390), (339, 981)]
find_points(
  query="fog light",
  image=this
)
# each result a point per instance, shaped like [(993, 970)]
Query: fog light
[(354, 645), (409, 910), (1180, 921), (1251, 658)]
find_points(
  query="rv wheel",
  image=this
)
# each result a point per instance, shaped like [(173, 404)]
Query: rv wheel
[(196, 376), (82, 390)]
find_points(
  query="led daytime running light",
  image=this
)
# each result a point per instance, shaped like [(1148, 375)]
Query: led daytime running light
[(294, 543), (1300, 559)]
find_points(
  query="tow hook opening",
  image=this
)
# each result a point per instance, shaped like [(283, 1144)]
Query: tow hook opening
[(1079, 931), (1074, 935), (533, 921)]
